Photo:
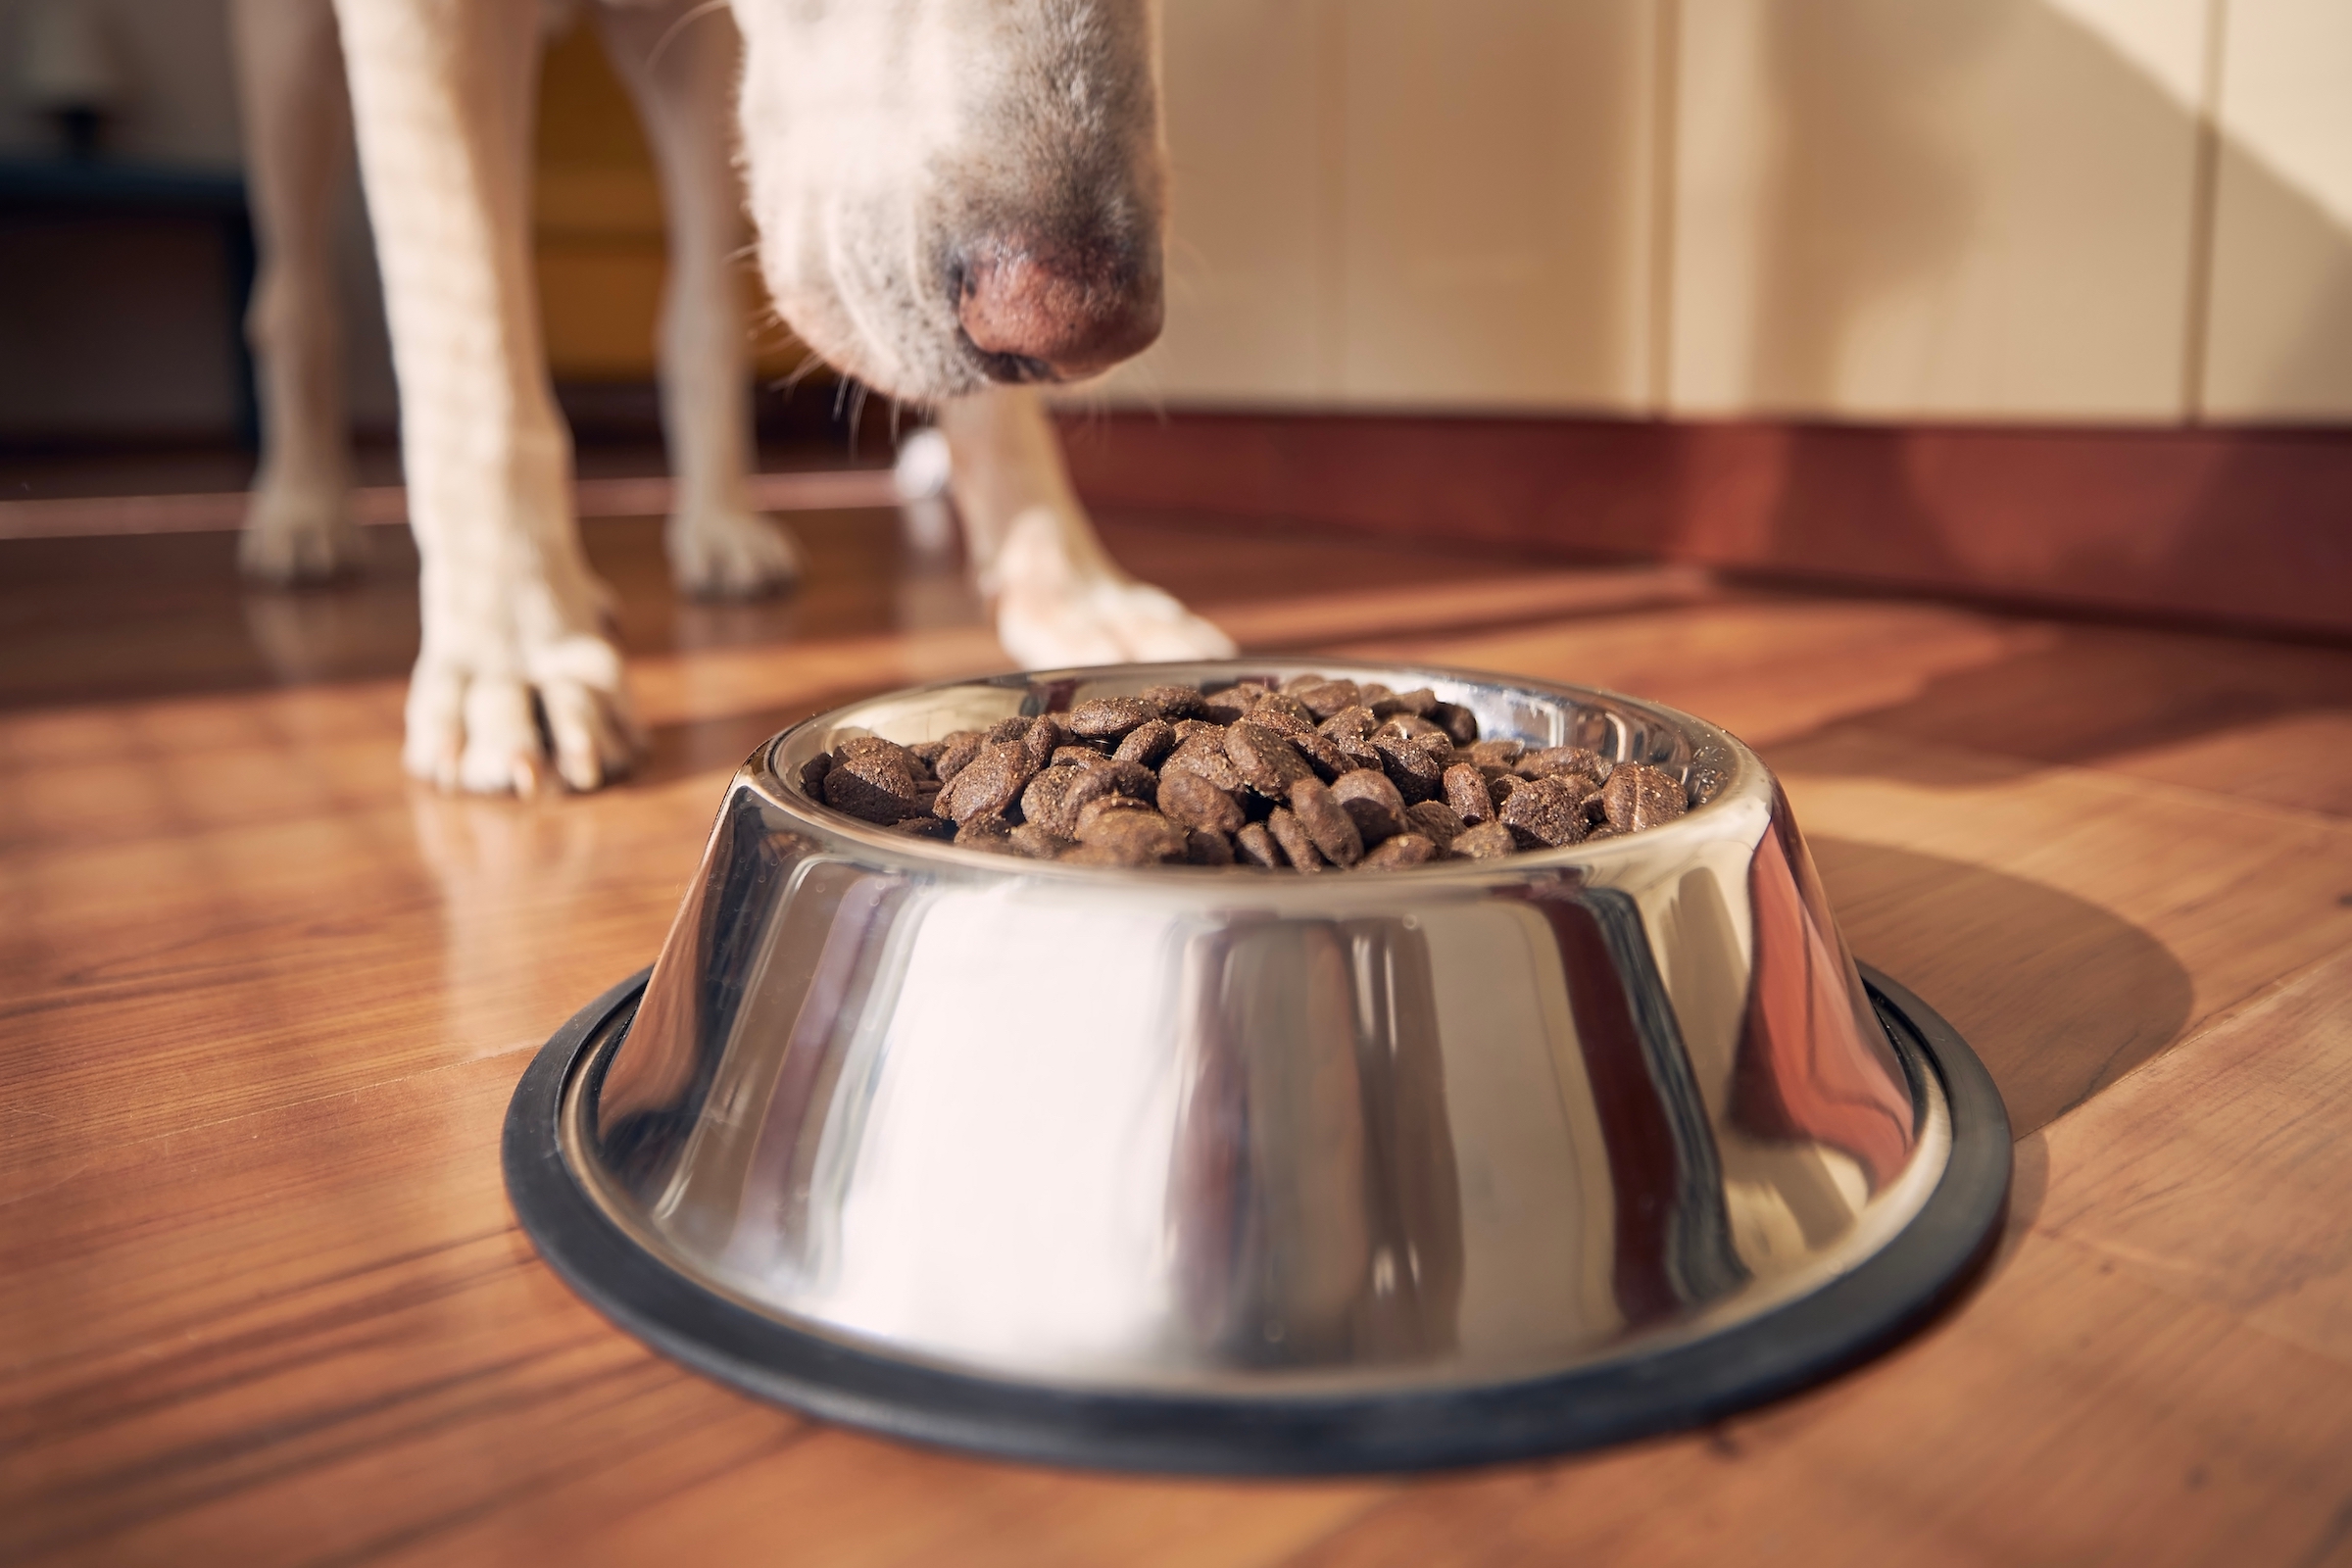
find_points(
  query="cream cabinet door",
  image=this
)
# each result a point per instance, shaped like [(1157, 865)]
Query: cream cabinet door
[(1415, 202), (2280, 332), (1248, 98), (1936, 208), (1496, 213)]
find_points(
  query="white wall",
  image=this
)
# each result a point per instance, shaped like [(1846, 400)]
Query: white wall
[(2108, 211)]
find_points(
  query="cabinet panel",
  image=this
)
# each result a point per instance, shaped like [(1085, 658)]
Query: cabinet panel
[(1939, 209), (1246, 100), (2280, 329), (1494, 202)]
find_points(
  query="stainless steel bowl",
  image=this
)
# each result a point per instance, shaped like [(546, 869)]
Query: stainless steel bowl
[(1232, 1170)]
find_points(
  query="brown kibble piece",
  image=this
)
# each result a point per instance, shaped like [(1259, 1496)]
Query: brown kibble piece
[(1131, 779), (1351, 725), (960, 746), (1204, 753), (1100, 803), (1257, 845), (990, 782), (1228, 705), (1110, 718), (1173, 702), (1466, 792), (1406, 848), (988, 832), (1297, 845), (1285, 704), (1581, 761), (1046, 735), (1435, 821), (1327, 698), (1639, 795), (1371, 802), (1135, 836), (1408, 728), (876, 781), (1497, 754), (812, 774), (1326, 823), (1266, 760), (1038, 845), (1458, 722), (1322, 754), (1417, 702), (1415, 773), (1187, 798), (924, 827), (1208, 846), (1147, 743), (1488, 841), (1053, 799), (1544, 813)]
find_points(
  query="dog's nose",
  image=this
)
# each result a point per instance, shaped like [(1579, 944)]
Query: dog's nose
[(1042, 314)]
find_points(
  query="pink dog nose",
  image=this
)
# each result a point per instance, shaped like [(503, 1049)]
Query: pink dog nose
[(1044, 314)]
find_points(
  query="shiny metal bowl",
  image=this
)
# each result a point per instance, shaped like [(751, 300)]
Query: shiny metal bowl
[(1234, 1170)]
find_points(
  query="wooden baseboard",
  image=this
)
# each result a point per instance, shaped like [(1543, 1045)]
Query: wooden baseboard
[(2246, 527)]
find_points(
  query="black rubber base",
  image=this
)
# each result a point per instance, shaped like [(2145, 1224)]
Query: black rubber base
[(1686, 1385)]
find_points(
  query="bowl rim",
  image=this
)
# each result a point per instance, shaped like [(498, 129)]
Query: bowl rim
[(1741, 776)]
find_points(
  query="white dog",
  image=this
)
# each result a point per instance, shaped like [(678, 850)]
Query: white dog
[(955, 199)]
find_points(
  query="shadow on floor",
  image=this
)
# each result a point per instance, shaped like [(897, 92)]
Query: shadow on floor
[(2057, 995)]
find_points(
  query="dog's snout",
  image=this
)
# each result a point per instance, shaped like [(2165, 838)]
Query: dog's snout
[(1055, 314)]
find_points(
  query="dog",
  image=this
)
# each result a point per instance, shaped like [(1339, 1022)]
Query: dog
[(955, 202)]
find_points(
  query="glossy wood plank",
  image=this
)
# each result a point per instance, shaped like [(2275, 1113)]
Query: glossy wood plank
[(266, 1001)]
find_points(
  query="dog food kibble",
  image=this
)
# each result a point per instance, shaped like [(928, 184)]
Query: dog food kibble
[(1310, 774), (1409, 766), (1147, 743), (1486, 842), (1406, 848), (1193, 800), (1325, 822), (1546, 812), (1367, 796), (1636, 797), (1467, 793), (1257, 845)]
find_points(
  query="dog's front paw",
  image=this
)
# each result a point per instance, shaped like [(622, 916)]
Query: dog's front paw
[(731, 555), (488, 732), (298, 535), (1054, 610)]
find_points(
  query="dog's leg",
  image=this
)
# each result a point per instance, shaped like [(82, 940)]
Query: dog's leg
[(1059, 597), (681, 69), (296, 115), (442, 97)]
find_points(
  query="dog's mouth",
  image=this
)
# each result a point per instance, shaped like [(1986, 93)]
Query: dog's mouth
[(1006, 370)]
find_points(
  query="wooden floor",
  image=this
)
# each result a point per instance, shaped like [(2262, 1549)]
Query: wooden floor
[(262, 1300)]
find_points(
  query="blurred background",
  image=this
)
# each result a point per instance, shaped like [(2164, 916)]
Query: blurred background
[(2048, 299)]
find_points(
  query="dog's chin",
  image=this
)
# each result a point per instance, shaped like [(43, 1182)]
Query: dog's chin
[(916, 361)]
